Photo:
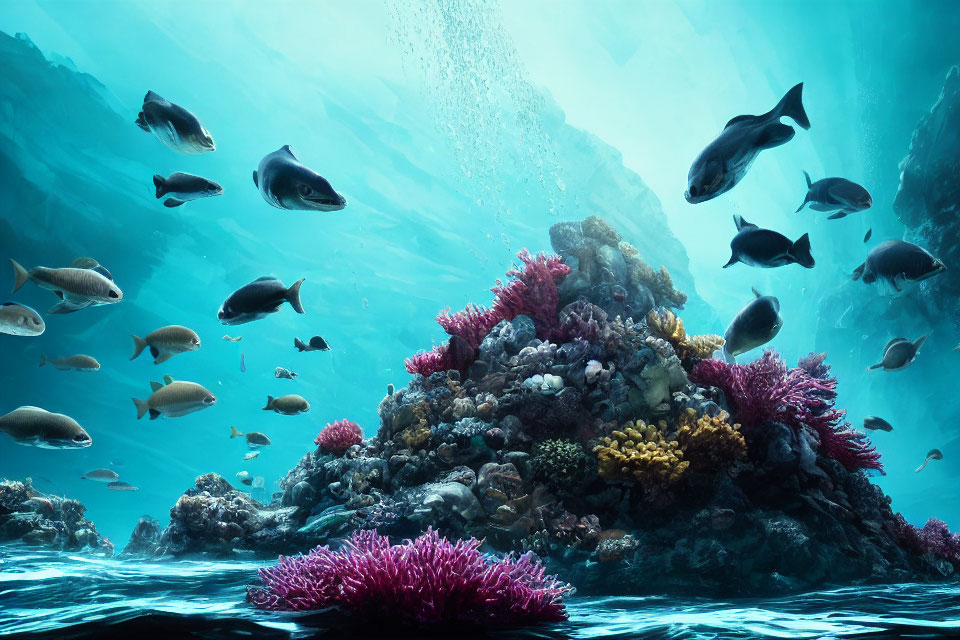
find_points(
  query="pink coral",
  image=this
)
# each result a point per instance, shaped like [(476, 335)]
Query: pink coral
[(766, 390), (934, 538), (338, 436), (427, 580), (532, 291)]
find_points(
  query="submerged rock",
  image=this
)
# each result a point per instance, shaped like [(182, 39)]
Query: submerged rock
[(33, 517)]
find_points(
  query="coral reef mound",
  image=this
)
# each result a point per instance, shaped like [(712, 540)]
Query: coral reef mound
[(33, 517)]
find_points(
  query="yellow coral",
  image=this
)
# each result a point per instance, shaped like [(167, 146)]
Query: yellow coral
[(641, 454), (710, 443), (669, 326), (416, 436)]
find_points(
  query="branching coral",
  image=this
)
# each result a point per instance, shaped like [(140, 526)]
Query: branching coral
[(560, 464), (710, 444), (934, 538), (667, 325), (427, 580), (765, 390), (641, 454), (531, 291), (338, 436)]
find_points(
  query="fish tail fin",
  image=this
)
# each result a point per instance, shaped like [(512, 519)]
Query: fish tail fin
[(791, 105), (858, 272), (293, 296), (298, 343), (732, 261), (43, 360), (807, 176), (235, 433), (294, 374), (140, 122), (269, 406), (800, 251), (728, 357), (139, 344), (920, 468), (875, 366), (142, 407), (160, 183), (20, 275), (919, 341)]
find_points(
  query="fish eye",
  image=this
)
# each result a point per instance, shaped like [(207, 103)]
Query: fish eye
[(305, 190), (693, 190), (209, 400), (35, 321), (81, 437), (113, 294)]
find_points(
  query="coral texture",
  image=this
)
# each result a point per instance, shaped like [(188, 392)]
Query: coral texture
[(710, 443), (338, 436), (427, 580), (667, 325), (766, 390), (639, 453)]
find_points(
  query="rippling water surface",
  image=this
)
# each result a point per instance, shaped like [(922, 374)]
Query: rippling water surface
[(50, 595)]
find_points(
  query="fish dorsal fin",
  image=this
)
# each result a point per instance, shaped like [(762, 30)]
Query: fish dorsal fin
[(263, 278), (156, 386), (8, 304), (167, 379), (256, 182), (84, 263), (28, 407), (740, 222), (737, 119), (289, 151), (153, 96), (893, 342), (755, 292)]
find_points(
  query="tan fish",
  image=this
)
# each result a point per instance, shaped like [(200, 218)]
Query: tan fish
[(933, 454), (174, 399), (250, 455), (166, 342), (101, 475), (20, 320), (74, 363), (36, 427), (290, 405), (77, 288), (255, 439), (229, 339), (119, 485)]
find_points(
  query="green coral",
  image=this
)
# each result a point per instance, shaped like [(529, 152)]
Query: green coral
[(561, 465)]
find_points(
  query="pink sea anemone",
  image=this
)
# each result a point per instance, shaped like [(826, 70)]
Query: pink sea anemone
[(428, 580), (766, 390), (338, 436)]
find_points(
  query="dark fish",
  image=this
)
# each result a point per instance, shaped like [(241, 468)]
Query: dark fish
[(245, 478), (899, 354), (726, 160), (174, 126), (316, 344), (285, 183), (874, 423), (765, 248), (835, 194), (243, 366), (898, 261), (259, 299), (868, 234), (756, 324), (289, 405), (933, 454), (183, 187)]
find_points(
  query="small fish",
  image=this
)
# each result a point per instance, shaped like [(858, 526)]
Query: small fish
[(122, 486), (101, 475), (896, 262), (20, 320), (316, 344), (869, 233), (289, 405), (933, 454), (174, 399), (899, 354), (285, 183), (873, 423), (72, 363), (76, 288), (250, 455), (243, 366), (724, 162), (36, 427), (229, 339), (245, 477), (758, 247), (259, 299), (756, 324), (835, 194), (184, 187), (174, 126), (255, 439), (166, 342), (280, 372)]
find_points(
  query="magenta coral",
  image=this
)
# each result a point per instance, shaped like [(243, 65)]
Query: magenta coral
[(766, 389), (338, 436), (934, 538), (532, 290), (427, 580)]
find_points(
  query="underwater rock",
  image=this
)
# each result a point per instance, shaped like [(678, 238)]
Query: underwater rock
[(145, 538), (37, 518)]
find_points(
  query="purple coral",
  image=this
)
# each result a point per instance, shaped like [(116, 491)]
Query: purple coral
[(532, 291), (934, 538), (766, 390), (427, 580), (338, 436)]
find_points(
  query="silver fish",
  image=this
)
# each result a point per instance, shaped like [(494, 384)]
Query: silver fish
[(33, 426), (166, 342), (174, 399), (77, 288), (20, 320)]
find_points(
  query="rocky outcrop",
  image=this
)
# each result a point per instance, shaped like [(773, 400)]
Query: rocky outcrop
[(32, 517)]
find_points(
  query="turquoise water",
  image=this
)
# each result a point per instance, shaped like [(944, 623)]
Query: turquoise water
[(458, 133)]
